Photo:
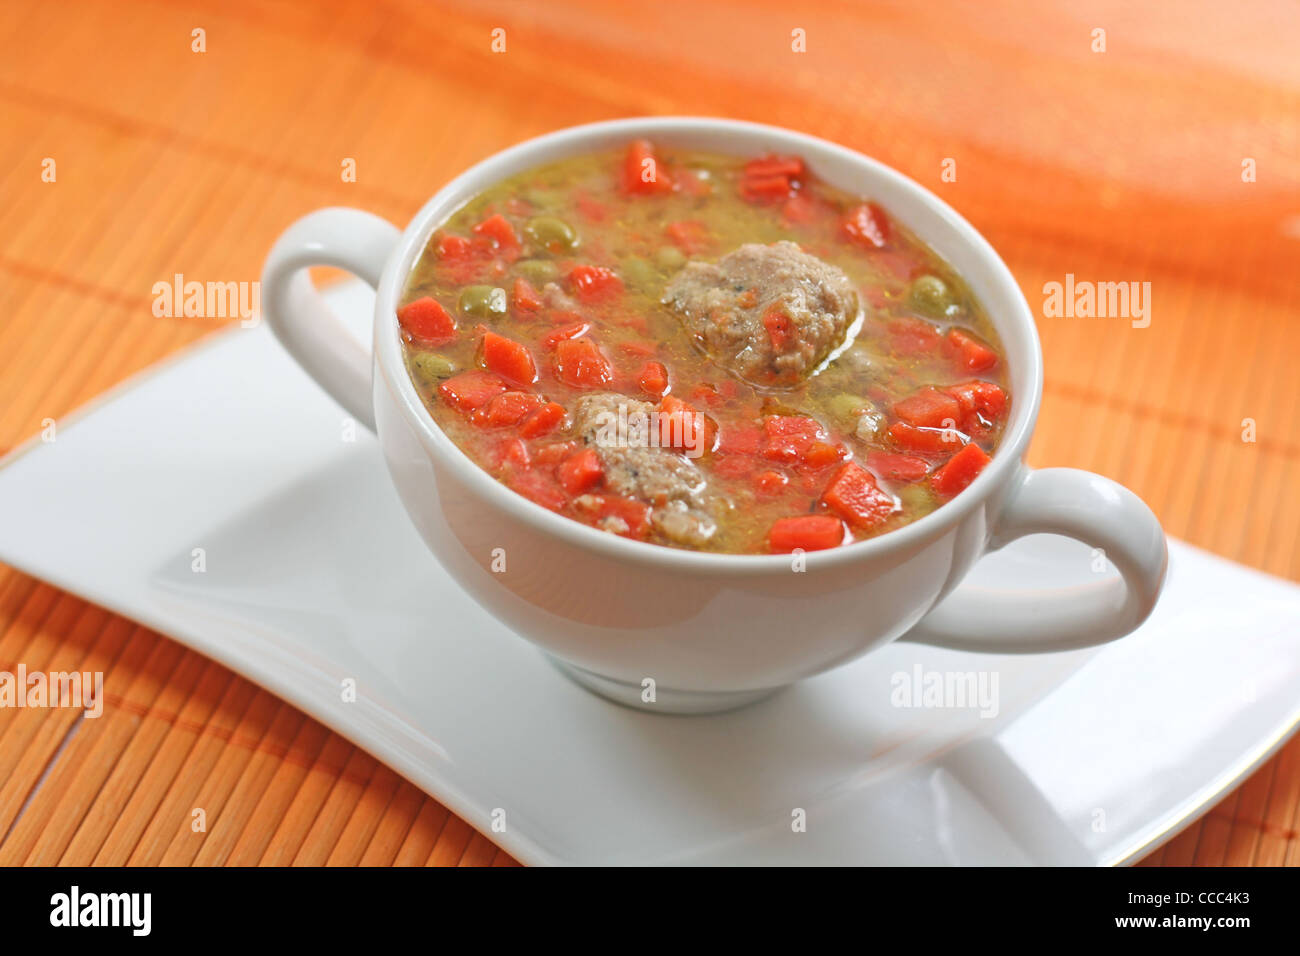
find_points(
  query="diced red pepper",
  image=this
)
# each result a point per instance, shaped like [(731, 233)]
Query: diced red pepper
[(643, 174), (770, 482), (508, 408), (513, 454), (594, 283), (538, 486), (855, 497), (509, 359), (681, 426), (805, 532), (654, 379), (895, 467), (978, 398), (498, 229), (689, 235), (580, 472), (908, 336), (766, 189), (543, 420), (527, 299), (454, 247), (972, 354), (579, 363), (929, 408), (740, 440), (555, 452), (799, 208), (866, 225), (779, 328), (635, 515), (571, 331), (925, 441), (820, 454), (425, 321), (960, 470), (468, 390), (774, 165), (732, 466), (789, 436)]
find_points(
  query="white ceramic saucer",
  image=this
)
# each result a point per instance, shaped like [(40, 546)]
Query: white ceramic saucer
[(314, 577)]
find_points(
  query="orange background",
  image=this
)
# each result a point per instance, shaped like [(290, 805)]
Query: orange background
[(1116, 165)]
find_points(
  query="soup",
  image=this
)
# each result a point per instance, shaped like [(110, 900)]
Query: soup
[(703, 351)]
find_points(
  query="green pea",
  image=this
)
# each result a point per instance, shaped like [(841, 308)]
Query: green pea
[(553, 235), (537, 271), (639, 273), (482, 301), (432, 367), (930, 296), (670, 258)]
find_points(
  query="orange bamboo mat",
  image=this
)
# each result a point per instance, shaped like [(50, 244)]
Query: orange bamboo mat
[(1117, 165)]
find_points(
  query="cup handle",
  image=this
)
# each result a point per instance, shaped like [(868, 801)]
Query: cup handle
[(350, 239), (1080, 505)]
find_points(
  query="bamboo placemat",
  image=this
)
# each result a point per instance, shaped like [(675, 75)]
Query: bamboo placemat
[(1122, 164)]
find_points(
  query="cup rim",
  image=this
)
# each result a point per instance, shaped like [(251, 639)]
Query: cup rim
[(1005, 462)]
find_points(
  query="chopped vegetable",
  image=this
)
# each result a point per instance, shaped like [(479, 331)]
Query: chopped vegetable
[(959, 471), (805, 533)]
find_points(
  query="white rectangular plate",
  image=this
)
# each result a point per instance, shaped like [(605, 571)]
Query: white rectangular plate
[(313, 577)]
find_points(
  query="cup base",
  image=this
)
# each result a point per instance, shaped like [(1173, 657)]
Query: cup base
[(667, 700)]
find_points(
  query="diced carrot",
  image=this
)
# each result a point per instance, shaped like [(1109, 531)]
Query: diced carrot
[(654, 379), (770, 482), (895, 467), (866, 225), (925, 441), (594, 283), (498, 229), (855, 497), (572, 331), (580, 472), (509, 359), (779, 328), (806, 533), (543, 420), (689, 235), (425, 321), (929, 408), (643, 174), (960, 470), (972, 354), (579, 363), (508, 408), (527, 298), (468, 390)]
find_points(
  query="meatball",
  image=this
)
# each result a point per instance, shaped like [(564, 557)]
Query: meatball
[(769, 314), (675, 489)]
